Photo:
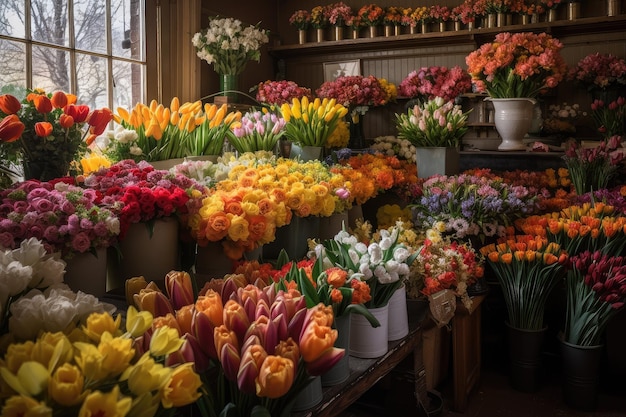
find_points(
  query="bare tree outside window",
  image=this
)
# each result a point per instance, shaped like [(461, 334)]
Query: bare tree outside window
[(51, 47)]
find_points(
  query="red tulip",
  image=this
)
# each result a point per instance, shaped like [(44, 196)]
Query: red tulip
[(98, 120), (11, 128), (43, 129), (78, 112), (59, 100), (9, 104), (66, 121)]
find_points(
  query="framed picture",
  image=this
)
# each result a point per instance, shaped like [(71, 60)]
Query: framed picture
[(333, 70)]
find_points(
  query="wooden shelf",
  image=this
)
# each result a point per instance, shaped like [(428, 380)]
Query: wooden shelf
[(476, 37)]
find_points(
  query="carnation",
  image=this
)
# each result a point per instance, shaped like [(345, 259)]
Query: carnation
[(279, 92)]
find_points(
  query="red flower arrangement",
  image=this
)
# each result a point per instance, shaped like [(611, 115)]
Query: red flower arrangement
[(464, 13), (431, 82), (136, 192), (279, 92), (338, 14), (354, 90), (439, 13), (301, 19), (600, 71), (371, 15)]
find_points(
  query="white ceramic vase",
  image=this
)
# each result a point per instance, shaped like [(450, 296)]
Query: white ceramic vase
[(367, 341), (513, 118)]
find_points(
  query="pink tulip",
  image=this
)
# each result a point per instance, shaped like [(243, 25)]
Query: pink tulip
[(201, 360), (236, 319), (252, 358), (203, 330), (179, 289), (230, 360), (325, 362)]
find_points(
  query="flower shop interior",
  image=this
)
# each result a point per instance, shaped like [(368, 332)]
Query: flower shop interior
[(348, 209)]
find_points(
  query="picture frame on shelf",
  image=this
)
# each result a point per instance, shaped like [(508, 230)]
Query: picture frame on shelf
[(334, 70)]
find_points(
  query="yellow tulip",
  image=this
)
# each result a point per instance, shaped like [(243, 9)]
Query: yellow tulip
[(146, 375), (66, 385), (137, 322), (20, 405), (117, 352), (154, 130), (285, 111), (111, 403), (123, 113), (174, 118), (174, 104), (51, 349), (99, 323), (182, 388), (219, 116), (304, 102), (231, 117), (210, 110), (153, 105), (31, 379), (182, 123), (165, 340), (305, 118), (296, 110)]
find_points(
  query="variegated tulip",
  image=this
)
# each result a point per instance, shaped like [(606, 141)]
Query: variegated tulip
[(179, 288), (276, 377)]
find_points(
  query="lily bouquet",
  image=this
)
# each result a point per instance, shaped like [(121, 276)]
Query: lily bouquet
[(436, 123), (257, 131), (47, 132), (596, 288), (441, 264), (431, 82), (528, 269), (311, 123), (517, 65), (229, 46), (66, 218)]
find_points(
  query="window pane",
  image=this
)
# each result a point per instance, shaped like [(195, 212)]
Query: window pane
[(12, 18), (90, 25), (49, 21), (51, 69), (120, 28), (128, 88), (91, 74), (12, 64)]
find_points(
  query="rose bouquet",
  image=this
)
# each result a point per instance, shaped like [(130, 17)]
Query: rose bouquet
[(600, 71), (101, 367), (596, 288), (257, 131), (517, 65), (229, 46), (66, 218), (47, 132), (444, 264), (280, 92), (434, 123), (528, 269), (310, 123), (431, 82), (136, 192), (472, 206), (592, 169), (301, 19), (439, 13)]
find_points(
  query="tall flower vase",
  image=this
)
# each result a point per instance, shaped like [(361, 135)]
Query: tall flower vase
[(581, 374), (229, 85), (398, 315), (87, 272), (366, 341), (302, 36), (513, 118), (525, 358), (341, 371), (437, 161), (149, 249)]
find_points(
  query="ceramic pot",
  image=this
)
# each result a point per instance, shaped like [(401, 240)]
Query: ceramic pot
[(513, 118), (367, 341), (437, 161)]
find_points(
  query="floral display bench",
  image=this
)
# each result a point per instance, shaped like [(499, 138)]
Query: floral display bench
[(364, 373), (466, 351)]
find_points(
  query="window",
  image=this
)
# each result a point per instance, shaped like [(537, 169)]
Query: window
[(92, 48)]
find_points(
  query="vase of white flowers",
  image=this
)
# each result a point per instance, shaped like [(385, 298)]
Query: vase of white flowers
[(229, 46)]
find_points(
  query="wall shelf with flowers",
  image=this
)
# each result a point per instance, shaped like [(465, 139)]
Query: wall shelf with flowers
[(478, 36)]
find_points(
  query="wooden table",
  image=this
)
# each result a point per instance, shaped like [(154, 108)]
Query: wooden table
[(364, 373), (466, 352)]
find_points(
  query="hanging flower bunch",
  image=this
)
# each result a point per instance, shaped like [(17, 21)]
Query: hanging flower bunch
[(431, 82), (600, 71), (592, 169), (301, 19), (517, 65), (596, 292), (610, 118), (228, 45), (47, 129), (136, 192), (280, 92), (67, 218), (592, 227), (472, 206), (102, 367), (383, 261), (371, 15), (310, 123), (528, 269), (257, 131), (444, 264), (433, 123), (338, 14)]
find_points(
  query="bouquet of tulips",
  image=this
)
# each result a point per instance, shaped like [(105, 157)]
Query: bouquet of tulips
[(310, 123), (257, 131), (596, 292), (528, 269)]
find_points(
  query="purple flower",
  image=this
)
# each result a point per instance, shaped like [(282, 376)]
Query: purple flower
[(81, 242)]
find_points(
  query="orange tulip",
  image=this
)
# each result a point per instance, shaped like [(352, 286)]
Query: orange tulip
[(223, 335), (42, 103), (11, 128), (154, 301), (184, 316), (43, 129), (252, 358), (78, 112), (316, 340), (168, 320), (132, 286), (66, 121), (211, 305), (9, 104), (275, 377), (59, 100), (336, 277)]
